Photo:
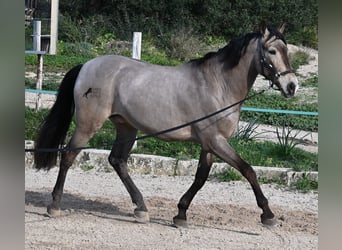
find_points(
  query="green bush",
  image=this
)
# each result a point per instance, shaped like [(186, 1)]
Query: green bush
[(299, 58), (83, 21), (305, 184)]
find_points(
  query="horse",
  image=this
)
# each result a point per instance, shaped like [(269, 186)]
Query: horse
[(136, 95)]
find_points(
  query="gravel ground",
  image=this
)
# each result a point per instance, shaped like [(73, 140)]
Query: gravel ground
[(97, 214)]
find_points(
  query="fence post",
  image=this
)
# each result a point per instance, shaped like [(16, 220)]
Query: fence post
[(39, 84), (136, 50), (37, 47), (136, 54), (36, 35)]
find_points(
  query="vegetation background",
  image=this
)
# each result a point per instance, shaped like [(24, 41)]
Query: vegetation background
[(189, 23)]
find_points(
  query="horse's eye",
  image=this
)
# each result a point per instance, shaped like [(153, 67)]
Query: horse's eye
[(272, 51)]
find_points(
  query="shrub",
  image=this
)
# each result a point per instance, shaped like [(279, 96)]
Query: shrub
[(299, 58)]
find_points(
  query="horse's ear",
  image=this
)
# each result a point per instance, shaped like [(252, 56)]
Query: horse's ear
[(282, 28), (263, 29)]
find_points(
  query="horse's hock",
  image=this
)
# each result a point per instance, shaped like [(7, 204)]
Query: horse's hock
[(97, 160)]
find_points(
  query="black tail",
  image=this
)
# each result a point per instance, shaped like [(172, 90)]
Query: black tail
[(55, 127)]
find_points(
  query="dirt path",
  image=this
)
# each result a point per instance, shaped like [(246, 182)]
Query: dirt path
[(98, 215)]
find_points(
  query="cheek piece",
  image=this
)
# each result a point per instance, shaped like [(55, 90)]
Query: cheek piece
[(273, 75)]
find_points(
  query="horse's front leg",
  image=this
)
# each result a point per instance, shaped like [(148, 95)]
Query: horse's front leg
[(223, 150), (118, 159), (204, 165)]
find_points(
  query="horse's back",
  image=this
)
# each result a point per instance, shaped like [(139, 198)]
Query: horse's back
[(149, 97)]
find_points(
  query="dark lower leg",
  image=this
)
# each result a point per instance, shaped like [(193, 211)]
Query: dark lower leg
[(223, 150), (200, 178), (66, 162), (262, 201), (120, 167), (118, 159)]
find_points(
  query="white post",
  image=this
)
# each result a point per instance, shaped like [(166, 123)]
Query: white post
[(53, 27), (136, 50), (37, 47), (39, 84), (136, 54), (37, 35)]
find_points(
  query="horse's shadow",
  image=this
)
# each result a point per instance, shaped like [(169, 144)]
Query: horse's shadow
[(98, 208), (74, 203)]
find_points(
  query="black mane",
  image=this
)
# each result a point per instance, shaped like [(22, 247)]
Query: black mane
[(231, 53)]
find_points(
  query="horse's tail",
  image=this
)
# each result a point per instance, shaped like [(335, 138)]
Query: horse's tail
[(55, 127)]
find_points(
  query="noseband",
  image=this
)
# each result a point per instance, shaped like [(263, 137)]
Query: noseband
[(269, 67)]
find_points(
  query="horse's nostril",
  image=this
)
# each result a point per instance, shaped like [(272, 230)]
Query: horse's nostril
[(291, 88)]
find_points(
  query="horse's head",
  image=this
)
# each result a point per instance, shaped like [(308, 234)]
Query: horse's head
[(275, 65)]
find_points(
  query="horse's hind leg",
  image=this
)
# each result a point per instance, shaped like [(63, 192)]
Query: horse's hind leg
[(118, 159), (204, 165), (222, 149), (66, 161), (79, 139)]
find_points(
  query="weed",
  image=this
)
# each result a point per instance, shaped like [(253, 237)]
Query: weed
[(310, 82), (248, 132), (287, 140), (229, 175), (305, 184), (276, 180), (86, 167)]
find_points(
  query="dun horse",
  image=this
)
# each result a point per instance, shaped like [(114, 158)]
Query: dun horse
[(136, 95)]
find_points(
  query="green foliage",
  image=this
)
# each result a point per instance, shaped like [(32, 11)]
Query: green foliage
[(276, 101), (86, 167), (184, 45), (77, 49), (305, 184), (299, 58), (229, 175), (83, 29), (152, 54), (307, 36), (288, 140), (178, 150), (33, 120), (58, 62), (247, 132), (310, 82), (84, 20), (269, 154)]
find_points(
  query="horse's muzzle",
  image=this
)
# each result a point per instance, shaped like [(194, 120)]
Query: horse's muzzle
[(291, 89)]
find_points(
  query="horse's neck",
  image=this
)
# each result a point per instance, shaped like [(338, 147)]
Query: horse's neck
[(241, 78)]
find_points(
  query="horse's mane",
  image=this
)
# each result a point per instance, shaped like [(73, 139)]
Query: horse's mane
[(231, 53)]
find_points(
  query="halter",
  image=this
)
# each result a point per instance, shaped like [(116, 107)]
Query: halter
[(269, 67)]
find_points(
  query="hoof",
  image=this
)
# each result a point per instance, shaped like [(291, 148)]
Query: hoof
[(141, 216), (53, 212), (269, 222), (177, 222)]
